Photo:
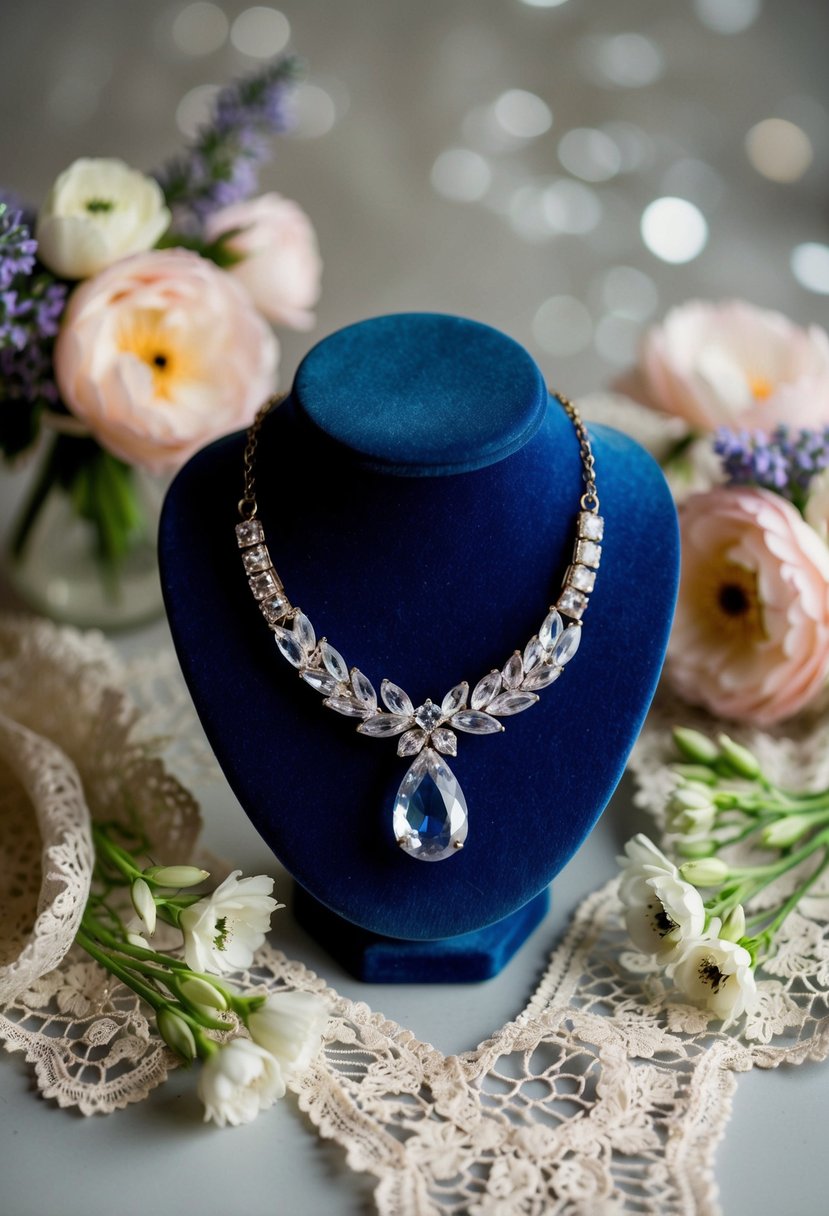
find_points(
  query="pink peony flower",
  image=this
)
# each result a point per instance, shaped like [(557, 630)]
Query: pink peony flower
[(751, 635), (280, 263), (161, 353), (732, 364)]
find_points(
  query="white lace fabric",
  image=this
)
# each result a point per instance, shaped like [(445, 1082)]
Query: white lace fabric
[(603, 1096)]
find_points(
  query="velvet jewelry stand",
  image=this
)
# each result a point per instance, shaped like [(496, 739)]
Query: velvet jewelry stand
[(418, 491)]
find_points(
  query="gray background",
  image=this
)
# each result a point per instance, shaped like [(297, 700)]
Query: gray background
[(393, 86)]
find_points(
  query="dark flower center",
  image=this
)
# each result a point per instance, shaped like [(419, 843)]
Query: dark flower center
[(96, 205), (733, 599), (710, 974), (160, 360), (661, 920)]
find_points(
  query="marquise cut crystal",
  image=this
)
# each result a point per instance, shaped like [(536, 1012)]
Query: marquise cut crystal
[(430, 816)]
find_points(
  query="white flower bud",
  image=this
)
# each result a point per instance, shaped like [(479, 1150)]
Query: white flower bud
[(739, 758), (784, 832), (689, 798), (176, 876), (144, 904), (705, 872), (694, 745), (202, 992), (176, 1034), (734, 925)]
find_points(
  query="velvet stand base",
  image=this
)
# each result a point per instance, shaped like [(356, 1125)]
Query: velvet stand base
[(466, 958)]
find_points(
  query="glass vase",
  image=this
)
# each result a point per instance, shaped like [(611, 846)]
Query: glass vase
[(83, 549)]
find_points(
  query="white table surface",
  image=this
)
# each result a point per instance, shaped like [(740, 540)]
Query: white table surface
[(409, 79)]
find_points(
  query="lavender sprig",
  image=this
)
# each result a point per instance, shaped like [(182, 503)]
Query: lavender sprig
[(222, 166), (784, 461), (31, 305)]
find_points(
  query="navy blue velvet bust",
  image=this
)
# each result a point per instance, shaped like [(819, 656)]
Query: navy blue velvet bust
[(418, 490)]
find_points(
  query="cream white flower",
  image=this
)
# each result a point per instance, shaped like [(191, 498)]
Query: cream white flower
[(716, 974), (290, 1026), (98, 210), (642, 860), (223, 931), (662, 914), (238, 1081), (661, 911)]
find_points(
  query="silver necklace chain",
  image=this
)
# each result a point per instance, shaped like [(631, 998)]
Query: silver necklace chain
[(427, 732)]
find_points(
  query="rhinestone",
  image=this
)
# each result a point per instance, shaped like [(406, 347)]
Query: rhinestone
[(363, 689), (591, 525), (581, 578), (275, 609), (512, 703), (249, 533), (445, 741), (533, 654), (572, 603), (304, 631), (334, 662), (345, 705), (550, 631), (256, 559), (587, 553), (428, 715), (264, 585), (513, 671), (430, 816), (383, 724), (486, 689), (567, 645), (454, 700), (411, 743), (289, 647), (476, 722), (320, 681), (395, 699), (542, 677)]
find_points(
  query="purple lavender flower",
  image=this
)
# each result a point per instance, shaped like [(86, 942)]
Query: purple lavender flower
[(17, 246), (222, 167), (784, 461)]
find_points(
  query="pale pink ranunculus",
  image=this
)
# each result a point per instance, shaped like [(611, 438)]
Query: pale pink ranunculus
[(751, 635), (280, 262), (161, 353), (732, 364)]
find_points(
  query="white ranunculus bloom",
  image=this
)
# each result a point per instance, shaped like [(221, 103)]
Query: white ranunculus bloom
[(98, 211), (290, 1026), (716, 974), (662, 913), (238, 1081), (223, 931)]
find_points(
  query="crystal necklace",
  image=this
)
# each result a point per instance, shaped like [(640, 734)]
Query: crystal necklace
[(430, 812)]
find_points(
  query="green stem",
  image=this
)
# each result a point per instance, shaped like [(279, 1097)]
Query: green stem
[(119, 857), (124, 974), (45, 480), (794, 899), (107, 938)]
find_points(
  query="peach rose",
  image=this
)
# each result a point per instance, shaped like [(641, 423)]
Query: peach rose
[(280, 263), (161, 353), (751, 635), (732, 364)]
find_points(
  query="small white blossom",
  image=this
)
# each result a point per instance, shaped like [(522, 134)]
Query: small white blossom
[(223, 931), (663, 913), (238, 1081), (290, 1026), (98, 211), (705, 871), (716, 974)]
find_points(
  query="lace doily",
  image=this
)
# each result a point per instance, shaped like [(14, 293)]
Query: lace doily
[(603, 1096)]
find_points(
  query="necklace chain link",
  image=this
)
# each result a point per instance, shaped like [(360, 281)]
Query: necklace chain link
[(249, 508)]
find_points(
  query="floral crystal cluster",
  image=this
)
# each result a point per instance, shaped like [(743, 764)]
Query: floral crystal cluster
[(709, 921), (136, 311), (751, 633), (241, 1074)]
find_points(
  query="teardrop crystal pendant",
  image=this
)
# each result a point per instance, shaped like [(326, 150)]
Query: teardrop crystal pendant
[(430, 818)]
